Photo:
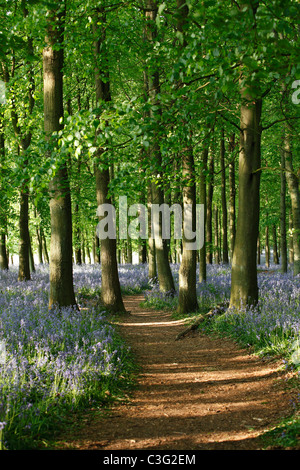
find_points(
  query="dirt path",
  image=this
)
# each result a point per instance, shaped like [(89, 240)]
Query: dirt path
[(197, 393)]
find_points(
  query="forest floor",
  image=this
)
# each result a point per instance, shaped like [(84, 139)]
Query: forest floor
[(197, 393)]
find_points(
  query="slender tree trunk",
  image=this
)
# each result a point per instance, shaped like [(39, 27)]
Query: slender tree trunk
[(39, 240), (291, 241), (275, 247), (216, 235), (293, 186), (3, 252), (232, 192), (258, 249), (225, 257), (129, 250), (110, 284), (61, 267), (283, 240), (88, 251), (267, 248), (209, 212), (202, 260), (31, 257), (45, 251), (24, 241), (78, 253), (164, 273), (97, 250)]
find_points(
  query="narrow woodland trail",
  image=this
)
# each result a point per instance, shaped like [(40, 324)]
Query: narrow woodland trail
[(197, 393)]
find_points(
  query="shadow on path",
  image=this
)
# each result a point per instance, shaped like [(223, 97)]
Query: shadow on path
[(197, 393)]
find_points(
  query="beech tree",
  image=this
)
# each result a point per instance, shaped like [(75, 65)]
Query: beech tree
[(61, 268), (140, 99)]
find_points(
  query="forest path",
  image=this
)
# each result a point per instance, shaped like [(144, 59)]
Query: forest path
[(197, 393)]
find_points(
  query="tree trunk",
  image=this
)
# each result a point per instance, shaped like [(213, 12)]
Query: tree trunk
[(225, 257), (275, 247), (3, 252), (291, 242), (293, 186), (97, 250), (31, 257), (267, 248), (209, 212), (232, 192), (216, 235), (61, 267), (283, 240), (244, 287), (258, 250), (152, 272), (202, 260), (24, 241), (45, 251), (110, 285), (164, 273), (39, 241), (187, 273), (78, 253)]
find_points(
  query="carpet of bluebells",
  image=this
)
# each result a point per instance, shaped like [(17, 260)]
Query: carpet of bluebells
[(53, 363)]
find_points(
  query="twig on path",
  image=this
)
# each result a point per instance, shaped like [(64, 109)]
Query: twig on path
[(217, 310)]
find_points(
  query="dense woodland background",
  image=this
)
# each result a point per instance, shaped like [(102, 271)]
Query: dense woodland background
[(175, 102), (162, 102)]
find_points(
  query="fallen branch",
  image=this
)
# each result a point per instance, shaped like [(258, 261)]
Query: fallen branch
[(217, 310)]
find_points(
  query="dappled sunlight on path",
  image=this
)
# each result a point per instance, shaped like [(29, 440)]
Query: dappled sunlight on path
[(195, 393)]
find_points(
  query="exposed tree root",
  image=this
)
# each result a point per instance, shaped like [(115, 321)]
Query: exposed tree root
[(217, 310)]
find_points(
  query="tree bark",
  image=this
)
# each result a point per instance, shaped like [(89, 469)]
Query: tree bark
[(61, 266), (209, 211), (293, 186), (244, 287), (24, 241), (152, 271), (3, 251), (202, 255), (187, 273), (110, 284), (232, 193), (164, 273), (291, 242), (187, 301), (267, 248), (216, 235), (275, 246), (283, 239), (225, 257)]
